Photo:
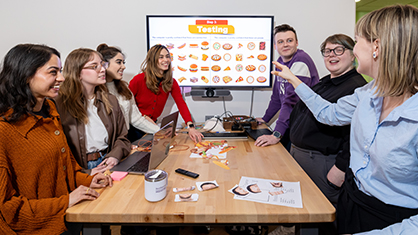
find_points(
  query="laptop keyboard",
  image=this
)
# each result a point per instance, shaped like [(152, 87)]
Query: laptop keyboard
[(225, 135), (141, 165)]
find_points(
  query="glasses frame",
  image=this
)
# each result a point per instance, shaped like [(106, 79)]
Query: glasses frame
[(333, 50), (98, 67)]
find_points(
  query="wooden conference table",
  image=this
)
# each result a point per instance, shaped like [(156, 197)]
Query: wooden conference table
[(125, 202)]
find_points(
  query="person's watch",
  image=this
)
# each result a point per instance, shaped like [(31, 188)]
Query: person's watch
[(277, 134), (191, 125)]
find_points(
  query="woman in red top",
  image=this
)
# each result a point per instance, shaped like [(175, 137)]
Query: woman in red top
[(152, 87)]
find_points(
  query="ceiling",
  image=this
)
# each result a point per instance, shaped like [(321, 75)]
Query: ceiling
[(370, 5)]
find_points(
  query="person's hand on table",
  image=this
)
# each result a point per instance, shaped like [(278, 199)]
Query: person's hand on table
[(82, 193), (195, 135), (98, 169), (286, 74), (336, 176), (266, 140), (109, 162), (101, 180), (88, 193)]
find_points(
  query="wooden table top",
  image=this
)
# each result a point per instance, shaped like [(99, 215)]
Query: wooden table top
[(125, 201)]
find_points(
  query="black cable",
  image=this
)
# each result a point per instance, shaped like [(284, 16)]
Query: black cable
[(223, 98), (218, 119)]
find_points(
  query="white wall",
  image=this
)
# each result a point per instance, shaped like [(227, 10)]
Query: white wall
[(67, 25)]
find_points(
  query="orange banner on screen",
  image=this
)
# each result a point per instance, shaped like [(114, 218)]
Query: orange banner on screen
[(212, 29), (211, 22)]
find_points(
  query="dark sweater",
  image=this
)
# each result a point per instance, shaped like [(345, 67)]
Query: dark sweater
[(307, 133)]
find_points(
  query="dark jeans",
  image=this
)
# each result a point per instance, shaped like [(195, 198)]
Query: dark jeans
[(134, 134)]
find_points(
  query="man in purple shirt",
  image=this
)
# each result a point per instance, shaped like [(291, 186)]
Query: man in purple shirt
[(284, 97)]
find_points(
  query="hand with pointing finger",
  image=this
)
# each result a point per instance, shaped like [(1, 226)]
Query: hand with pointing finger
[(286, 74)]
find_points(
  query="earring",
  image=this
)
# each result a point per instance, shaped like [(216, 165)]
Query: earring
[(374, 55)]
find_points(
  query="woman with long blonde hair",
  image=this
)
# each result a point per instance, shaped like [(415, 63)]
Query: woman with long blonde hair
[(152, 87), (380, 188), (92, 119)]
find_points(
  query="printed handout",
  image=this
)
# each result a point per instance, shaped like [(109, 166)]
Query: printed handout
[(276, 192)]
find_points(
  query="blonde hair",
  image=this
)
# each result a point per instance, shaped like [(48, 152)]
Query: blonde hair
[(71, 90), (150, 68), (396, 28)]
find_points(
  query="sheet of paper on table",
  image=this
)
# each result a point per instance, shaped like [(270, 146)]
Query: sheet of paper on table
[(269, 191)]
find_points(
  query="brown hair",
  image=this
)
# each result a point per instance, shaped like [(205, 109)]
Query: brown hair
[(340, 39), (108, 53), (150, 68), (71, 90), (284, 28), (396, 28)]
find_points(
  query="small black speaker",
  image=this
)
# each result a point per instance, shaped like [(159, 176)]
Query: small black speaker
[(210, 93)]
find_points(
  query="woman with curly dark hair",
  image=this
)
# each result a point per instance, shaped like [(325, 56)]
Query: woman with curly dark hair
[(39, 177)]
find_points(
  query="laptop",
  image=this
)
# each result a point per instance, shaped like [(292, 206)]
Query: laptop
[(255, 133), (141, 162), (225, 135), (171, 117)]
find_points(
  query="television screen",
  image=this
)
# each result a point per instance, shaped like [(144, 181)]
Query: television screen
[(216, 51)]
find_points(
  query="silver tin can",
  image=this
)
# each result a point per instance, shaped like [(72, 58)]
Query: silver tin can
[(155, 185)]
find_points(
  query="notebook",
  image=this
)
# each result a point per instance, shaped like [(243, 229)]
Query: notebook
[(171, 117), (141, 162)]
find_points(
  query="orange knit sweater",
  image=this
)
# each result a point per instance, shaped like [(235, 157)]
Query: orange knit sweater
[(37, 172)]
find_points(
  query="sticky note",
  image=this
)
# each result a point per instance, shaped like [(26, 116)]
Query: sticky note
[(118, 175)]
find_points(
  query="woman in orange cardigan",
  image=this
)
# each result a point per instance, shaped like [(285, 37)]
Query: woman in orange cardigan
[(39, 177)]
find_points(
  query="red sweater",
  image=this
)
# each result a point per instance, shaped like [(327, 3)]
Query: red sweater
[(151, 104), (37, 173)]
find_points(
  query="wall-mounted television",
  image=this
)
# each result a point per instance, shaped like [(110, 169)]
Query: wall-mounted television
[(216, 51)]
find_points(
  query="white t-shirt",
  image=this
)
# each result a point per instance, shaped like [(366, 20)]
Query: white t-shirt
[(96, 133)]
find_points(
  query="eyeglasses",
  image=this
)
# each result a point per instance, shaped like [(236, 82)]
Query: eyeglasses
[(98, 67), (337, 51)]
